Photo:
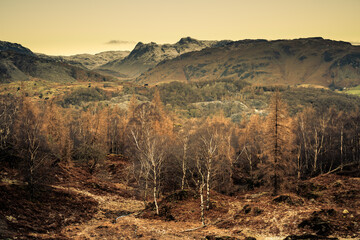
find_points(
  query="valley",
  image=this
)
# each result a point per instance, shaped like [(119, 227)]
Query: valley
[(249, 139)]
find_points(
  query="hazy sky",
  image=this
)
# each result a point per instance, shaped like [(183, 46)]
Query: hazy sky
[(89, 26)]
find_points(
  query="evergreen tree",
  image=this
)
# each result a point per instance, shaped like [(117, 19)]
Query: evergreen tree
[(278, 143)]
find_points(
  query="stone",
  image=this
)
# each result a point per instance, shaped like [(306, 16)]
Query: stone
[(308, 237)]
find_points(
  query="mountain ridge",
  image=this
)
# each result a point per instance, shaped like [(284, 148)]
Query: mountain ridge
[(18, 63), (14, 47), (89, 61), (299, 61), (316, 61), (147, 55)]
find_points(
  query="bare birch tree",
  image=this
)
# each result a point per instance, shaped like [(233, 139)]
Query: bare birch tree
[(8, 111), (30, 144), (151, 154)]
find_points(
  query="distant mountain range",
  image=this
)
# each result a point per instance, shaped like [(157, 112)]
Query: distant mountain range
[(287, 62)]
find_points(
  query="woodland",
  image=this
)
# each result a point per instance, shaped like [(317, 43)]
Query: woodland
[(166, 152), (251, 139)]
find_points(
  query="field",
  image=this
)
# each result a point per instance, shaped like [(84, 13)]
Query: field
[(354, 90)]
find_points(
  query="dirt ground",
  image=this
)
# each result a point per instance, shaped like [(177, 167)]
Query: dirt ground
[(80, 206)]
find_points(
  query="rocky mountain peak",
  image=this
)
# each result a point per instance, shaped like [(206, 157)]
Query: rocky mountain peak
[(147, 55), (187, 40)]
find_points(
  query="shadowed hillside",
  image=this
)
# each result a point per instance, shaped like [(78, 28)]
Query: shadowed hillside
[(18, 63), (14, 47)]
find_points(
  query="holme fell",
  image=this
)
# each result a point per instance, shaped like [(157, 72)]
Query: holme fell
[(250, 139)]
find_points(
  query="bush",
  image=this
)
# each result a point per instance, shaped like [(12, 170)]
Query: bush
[(80, 95)]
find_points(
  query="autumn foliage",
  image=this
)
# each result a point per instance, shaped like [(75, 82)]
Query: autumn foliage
[(168, 153)]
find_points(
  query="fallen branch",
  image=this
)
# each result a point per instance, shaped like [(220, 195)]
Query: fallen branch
[(339, 167), (206, 225), (122, 216), (194, 229)]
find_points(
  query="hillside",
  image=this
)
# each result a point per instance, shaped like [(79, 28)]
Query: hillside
[(84, 206), (14, 47), (89, 61), (290, 62), (92, 179), (18, 63), (92, 61), (234, 98), (146, 56)]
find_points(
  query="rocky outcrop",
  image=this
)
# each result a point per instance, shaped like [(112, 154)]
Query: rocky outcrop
[(146, 56)]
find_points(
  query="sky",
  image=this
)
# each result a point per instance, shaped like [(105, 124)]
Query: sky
[(66, 27)]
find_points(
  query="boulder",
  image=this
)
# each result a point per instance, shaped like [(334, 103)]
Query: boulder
[(308, 237), (213, 237), (318, 225)]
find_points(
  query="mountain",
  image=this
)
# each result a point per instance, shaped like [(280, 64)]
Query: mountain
[(14, 47), (315, 61), (18, 63), (146, 56), (90, 61), (290, 62)]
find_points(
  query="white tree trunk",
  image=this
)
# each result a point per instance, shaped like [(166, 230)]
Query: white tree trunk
[(208, 187), (184, 167), (201, 190), (155, 199), (341, 147)]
